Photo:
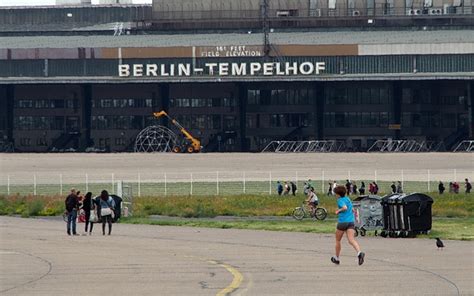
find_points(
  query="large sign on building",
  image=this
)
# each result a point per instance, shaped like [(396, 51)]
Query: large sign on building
[(222, 69)]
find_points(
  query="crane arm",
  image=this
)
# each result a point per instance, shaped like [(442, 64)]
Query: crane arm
[(195, 142)]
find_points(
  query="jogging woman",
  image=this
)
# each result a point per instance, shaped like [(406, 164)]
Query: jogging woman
[(345, 224)]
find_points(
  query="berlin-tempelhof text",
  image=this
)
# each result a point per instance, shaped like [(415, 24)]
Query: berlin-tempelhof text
[(221, 69)]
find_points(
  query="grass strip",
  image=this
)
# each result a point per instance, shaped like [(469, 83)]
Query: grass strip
[(453, 228)]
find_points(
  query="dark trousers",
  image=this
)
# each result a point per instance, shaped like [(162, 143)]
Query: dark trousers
[(88, 217), (106, 219), (71, 221)]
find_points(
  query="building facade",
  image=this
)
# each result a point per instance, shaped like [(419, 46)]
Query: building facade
[(236, 91)]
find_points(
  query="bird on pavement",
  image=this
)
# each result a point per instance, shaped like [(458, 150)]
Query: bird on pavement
[(439, 243)]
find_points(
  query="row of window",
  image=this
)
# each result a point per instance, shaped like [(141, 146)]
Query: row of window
[(203, 102), (47, 104), (109, 122), (356, 119), (41, 142), (38, 122), (303, 96), (278, 120), (433, 119), (357, 96), (425, 96), (123, 103), (227, 122)]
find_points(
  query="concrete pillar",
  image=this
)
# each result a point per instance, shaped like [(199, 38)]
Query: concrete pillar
[(10, 92), (319, 106), (397, 106), (470, 106), (86, 140), (242, 99), (165, 101)]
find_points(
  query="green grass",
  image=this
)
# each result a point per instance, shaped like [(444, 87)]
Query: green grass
[(455, 229), (447, 205), (459, 207)]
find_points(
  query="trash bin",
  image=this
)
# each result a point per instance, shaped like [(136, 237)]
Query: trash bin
[(368, 214), (406, 215)]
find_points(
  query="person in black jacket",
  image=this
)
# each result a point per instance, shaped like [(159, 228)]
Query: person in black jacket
[(72, 206), (441, 188), (293, 188), (89, 204)]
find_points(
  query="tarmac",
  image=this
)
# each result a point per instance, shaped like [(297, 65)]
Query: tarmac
[(38, 258), (20, 167)]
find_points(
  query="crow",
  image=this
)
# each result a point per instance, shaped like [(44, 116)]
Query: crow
[(439, 243)]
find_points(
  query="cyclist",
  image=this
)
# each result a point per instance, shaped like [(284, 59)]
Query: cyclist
[(312, 201)]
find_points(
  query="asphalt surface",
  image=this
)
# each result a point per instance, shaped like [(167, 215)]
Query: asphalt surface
[(38, 258), (20, 167)]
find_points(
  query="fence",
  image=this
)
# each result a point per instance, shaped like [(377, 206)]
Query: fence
[(225, 183)]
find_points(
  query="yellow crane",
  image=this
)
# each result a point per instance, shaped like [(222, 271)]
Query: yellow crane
[(194, 144)]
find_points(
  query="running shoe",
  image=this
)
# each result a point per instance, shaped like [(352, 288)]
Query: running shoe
[(334, 260), (361, 258)]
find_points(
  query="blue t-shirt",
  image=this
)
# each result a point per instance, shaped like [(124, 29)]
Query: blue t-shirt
[(347, 215)]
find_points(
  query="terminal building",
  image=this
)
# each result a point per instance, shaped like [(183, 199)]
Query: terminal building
[(237, 74)]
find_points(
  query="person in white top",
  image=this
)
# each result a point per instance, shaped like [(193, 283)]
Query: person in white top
[(312, 201)]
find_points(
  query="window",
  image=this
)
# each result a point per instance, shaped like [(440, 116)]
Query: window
[(25, 142), (120, 142), (41, 142), (229, 122)]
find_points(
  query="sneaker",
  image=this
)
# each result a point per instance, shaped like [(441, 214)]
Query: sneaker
[(361, 258), (334, 260)]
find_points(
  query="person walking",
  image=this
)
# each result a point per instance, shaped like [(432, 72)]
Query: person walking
[(393, 187), (279, 188), (376, 188), (441, 188), (305, 188), (467, 185), (362, 188), (287, 189), (399, 187), (345, 225), (89, 205), (354, 188), (293, 188), (371, 188), (329, 189), (348, 187), (107, 207), (456, 187), (72, 205)]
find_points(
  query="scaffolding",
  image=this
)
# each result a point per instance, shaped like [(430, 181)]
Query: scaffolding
[(305, 146), (406, 146), (155, 139), (465, 146)]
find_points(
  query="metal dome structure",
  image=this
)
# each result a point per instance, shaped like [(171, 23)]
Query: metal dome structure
[(155, 138)]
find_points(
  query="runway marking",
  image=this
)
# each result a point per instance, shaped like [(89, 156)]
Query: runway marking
[(238, 278), (236, 281)]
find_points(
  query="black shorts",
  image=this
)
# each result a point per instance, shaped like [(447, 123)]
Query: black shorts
[(345, 226)]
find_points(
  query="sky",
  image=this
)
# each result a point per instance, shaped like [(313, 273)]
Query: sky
[(49, 2)]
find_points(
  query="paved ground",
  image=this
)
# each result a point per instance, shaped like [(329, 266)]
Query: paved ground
[(37, 258), (231, 165)]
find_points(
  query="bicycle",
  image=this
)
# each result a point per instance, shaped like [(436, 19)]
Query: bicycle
[(300, 212)]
